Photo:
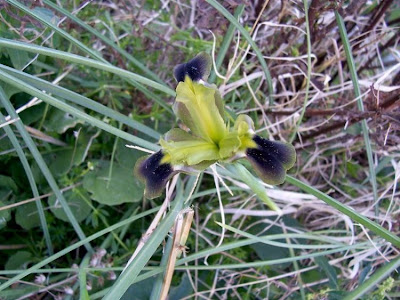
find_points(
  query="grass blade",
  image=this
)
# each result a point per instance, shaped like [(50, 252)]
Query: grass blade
[(67, 250), (225, 43), (253, 184), (31, 179), (357, 93), (374, 280), (87, 50), (80, 60), (133, 270), (43, 167), (303, 110), (379, 230), (80, 100), (65, 107), (106, 40), (248, 38)]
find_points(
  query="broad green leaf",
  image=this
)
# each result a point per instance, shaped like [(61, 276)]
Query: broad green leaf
[(183, 290), (19, 260), (140, 290), (126, 156), (121, 187), (17, 293), (19, 58), (60, 121), (77, 201), (27, 216), (7, 183), (33, 114), (74, 155)]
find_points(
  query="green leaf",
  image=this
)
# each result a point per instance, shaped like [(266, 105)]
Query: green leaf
[(7, 183), (183, 290), (126, 156), (374, 227), (18, 58), (27, 216), (377, 277), (329, 271), (267, 251), (122, 187), (254, 184), (18, 260), (33, 114), (140, 290), (62, 161), (77, 201), (78, 244), (60, 121)]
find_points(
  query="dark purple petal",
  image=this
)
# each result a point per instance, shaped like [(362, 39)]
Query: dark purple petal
[(196, 68), (267, 167), (153, 174), (271, 159), (284, 153)]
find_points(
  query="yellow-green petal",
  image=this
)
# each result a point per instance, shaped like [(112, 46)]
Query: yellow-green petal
[(205, 120)]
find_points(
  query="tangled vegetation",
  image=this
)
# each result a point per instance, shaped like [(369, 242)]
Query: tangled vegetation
[(87, 89)]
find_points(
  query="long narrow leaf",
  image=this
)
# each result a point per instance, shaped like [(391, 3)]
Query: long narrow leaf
[(65, 251), (80, 100), (76, 112), (31, 179), (357, 94), (87, 50), (225, 43), (85, 62), (43, 166), (379, 230), (248, 38), (125, 280), (106, 40), (308, 79), (374, 280)]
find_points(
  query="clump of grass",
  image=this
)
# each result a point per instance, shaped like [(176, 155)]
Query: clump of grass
[(88, 79)]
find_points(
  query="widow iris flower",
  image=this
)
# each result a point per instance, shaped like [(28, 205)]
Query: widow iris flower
[(210, 139)]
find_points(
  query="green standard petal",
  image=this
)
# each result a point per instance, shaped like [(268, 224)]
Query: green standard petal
[(244, 124), (244, 127), (218, 101), (200, 112)]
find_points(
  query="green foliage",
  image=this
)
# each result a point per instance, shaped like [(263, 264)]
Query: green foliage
[(18, 260), (27, 216), (380, 292), (79, 202), (110, 185)]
